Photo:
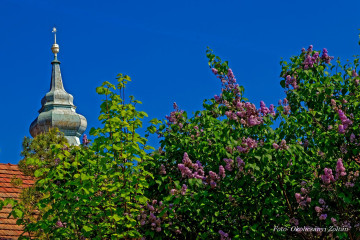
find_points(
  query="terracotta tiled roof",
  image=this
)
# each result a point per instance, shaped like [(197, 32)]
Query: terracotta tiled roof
[(9, 172)]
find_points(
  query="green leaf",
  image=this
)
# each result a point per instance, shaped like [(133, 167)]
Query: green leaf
[(116, 217), (87, 228), (38, 172), (17, 213)]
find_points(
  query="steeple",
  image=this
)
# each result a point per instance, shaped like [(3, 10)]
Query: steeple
[(57, 108)]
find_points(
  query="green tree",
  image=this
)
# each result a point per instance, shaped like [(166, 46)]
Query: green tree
[(95, 191), (40, 148)]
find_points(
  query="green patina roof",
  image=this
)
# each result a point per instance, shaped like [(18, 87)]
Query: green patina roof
[(58, 109)]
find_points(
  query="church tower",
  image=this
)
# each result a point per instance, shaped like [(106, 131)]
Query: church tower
[(58, 109)]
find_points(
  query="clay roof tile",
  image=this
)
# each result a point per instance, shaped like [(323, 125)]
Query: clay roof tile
[(9, 173)]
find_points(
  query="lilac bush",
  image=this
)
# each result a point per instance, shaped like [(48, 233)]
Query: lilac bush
[(251, 177)]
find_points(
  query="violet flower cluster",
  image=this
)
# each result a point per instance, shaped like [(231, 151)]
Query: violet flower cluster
[(176, 116), (310, 60), (351, 179), (314, 58), (228, 80), (285, 104), (340, 169), (289, 80), (189, 169), (325, 57), (183, 189), (328, 176), (162, 170), (85, 140), (333, 104), (222, 171), (223, 235), (230, 164), (286, 107), (352, 137), (60, 224), (245, 113), (302, 198), (355, 75), (320, 210), (345, 122), (147, 215), (294, 221), (246, 145), (282, 145), (265, 111)]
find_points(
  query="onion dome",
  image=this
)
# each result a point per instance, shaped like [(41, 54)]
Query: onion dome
[(58, 109)]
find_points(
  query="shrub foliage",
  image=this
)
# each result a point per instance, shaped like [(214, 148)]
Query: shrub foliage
[(230, 171)]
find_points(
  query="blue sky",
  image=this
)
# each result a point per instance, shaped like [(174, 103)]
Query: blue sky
[(161, 45)]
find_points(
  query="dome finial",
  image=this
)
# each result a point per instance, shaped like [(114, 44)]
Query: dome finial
[(55, 46)]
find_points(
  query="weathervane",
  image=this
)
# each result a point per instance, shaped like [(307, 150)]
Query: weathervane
[(55, 46)]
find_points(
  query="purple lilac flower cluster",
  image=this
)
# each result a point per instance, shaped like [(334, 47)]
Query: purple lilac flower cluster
[(302, 198), (310, 60), (222, 171), (176, 116), (320, 210), (240, 164), (333, 104), (314, 58), (223, 235), (147, 215), (187, 167), (265, 111), (291, 80), (228, 80), (355, 75), (282, 145), (328, 176), (325, 57), (197, 132), (340, 169), (351, 179), (246, 113), (212, 179), (294, 221), (345, 122), (183, 189), (286, 105), (162, 169), (85, 140), (60, 224), (352, 138), (230, 164), (246, 145)]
